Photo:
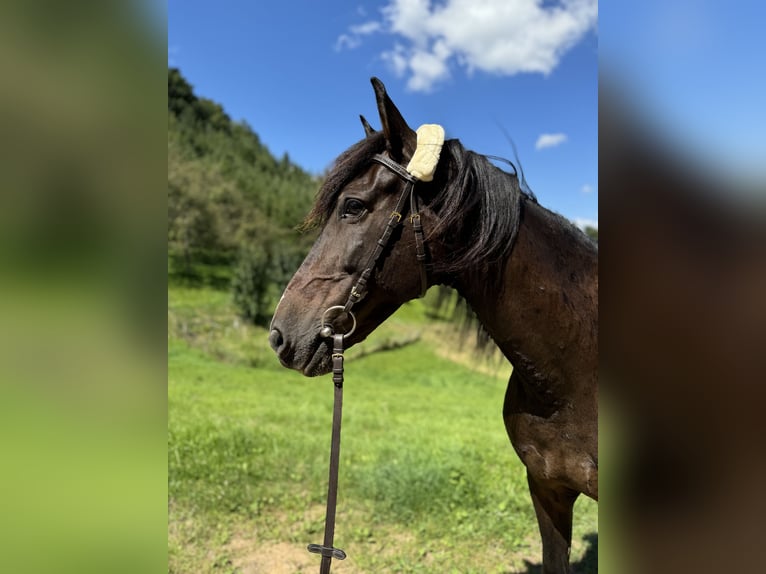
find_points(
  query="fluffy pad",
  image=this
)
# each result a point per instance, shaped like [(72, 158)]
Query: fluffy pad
[(423, 162)]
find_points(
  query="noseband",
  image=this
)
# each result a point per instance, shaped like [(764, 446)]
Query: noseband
[(358, 292)]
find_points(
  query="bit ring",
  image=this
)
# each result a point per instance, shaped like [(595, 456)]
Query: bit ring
[(327, 330)]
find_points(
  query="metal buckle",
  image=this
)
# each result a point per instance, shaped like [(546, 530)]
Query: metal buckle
[(336, 553)]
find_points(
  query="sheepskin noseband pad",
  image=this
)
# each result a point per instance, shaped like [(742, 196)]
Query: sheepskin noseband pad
[(423, 162)]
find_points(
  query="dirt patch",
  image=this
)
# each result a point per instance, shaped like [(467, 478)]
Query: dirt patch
[(252, 555), (280, 558)]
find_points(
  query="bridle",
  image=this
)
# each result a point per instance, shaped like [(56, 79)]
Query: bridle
[(358, 292)]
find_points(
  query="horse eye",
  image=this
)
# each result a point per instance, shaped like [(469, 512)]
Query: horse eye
[(352, 208)]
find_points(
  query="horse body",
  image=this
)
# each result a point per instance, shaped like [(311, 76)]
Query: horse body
[(546, 325), (545, 322), (530, 277)]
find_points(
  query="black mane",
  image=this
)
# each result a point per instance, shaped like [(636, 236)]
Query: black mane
[(480, 208)]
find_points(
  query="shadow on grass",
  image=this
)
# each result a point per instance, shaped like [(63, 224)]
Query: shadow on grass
[(588, 564)]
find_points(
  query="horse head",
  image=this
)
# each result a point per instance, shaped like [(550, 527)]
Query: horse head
[(367, 191)]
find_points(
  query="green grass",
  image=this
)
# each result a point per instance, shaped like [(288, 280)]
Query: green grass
[(428, 479)]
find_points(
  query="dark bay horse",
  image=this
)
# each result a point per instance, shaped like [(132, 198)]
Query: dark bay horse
[(530, 276)]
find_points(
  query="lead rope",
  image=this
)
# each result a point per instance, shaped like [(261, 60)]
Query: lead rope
[(358, 291), (327, 550)]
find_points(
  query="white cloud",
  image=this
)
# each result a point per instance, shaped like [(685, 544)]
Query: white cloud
[(397, 60), (428, 67), (587, 188), (550, 140), (503, 37), (366, 28), (354, 38)]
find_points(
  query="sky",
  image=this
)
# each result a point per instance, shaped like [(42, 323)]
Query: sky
[(298, 73)]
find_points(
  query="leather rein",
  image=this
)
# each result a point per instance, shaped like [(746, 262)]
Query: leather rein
[(358, 292)]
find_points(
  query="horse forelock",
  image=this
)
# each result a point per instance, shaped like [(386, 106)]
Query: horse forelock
[(348, 165)]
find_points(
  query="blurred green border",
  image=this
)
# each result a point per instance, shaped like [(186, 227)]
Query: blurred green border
[(83, 266)]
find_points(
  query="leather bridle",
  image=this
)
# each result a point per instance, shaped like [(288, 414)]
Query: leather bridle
[(358, 292)]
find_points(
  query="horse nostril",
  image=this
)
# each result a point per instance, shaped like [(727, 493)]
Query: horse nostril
[(276, 340)]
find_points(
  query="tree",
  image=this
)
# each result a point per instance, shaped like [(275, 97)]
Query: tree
[(191, 224), (231, 203), (261, 274)]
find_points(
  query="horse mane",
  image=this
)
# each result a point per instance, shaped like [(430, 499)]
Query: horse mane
[(479, 208)]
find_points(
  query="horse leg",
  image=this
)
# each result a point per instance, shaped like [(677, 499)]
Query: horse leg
[(553, 498), (553, 507)]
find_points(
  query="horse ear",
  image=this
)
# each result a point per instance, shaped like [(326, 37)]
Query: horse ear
[(400, 139), (368, 130)]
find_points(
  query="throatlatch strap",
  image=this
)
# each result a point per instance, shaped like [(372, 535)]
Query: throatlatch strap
[(327, 550), (420, 242)]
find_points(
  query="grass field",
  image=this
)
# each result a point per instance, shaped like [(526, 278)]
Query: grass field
[(428, 479)]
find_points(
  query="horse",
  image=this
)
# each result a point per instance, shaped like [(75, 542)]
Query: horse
[(529, 276)]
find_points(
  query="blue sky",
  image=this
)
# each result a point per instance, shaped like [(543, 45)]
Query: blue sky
[(298, 73)]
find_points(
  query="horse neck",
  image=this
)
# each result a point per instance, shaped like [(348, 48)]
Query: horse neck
[(545, 318)]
